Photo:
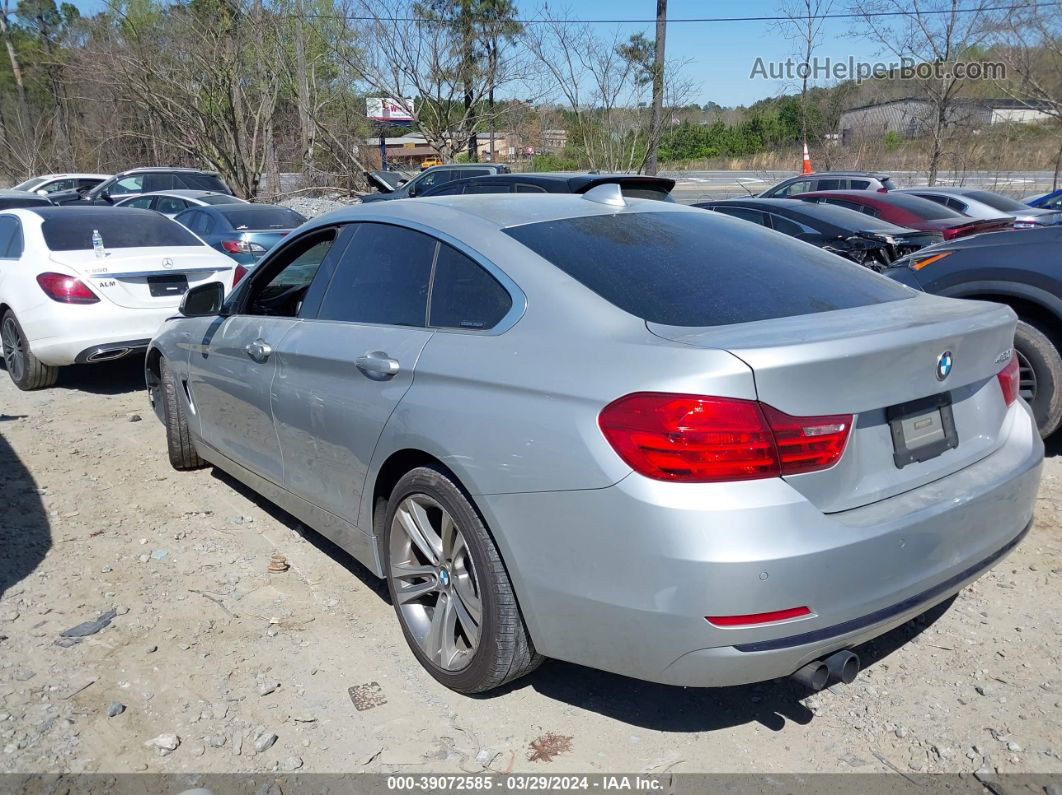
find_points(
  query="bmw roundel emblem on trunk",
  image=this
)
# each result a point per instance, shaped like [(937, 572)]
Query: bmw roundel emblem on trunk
[(944, 362)]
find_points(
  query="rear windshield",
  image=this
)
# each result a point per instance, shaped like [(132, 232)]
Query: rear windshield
[(887, 183), (73, 231), (701, 269), (995, 201), (643, 192), (924, 208), (219, 198), (30, 183), (246, 216)]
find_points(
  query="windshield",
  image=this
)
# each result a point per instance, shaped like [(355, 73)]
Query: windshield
[(995, 201), (248, 216), (30, 184), (701, 269), (72, 231)]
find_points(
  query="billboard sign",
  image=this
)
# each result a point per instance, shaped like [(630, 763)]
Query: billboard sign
[(389, 109)]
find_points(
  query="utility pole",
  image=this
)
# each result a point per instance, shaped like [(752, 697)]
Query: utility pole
[(655, 122)]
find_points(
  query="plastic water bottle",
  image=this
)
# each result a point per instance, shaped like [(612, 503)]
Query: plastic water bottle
[(97, 243)]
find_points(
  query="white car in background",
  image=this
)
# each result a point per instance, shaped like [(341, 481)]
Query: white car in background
[(50, 183), (171, 202), (65, 301)]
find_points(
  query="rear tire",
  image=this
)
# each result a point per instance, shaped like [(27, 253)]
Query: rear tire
[(446, 579), (26, 370), (1041, 376), (182, 452)]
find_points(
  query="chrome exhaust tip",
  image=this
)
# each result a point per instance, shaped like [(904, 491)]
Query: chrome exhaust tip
[(108, 355)]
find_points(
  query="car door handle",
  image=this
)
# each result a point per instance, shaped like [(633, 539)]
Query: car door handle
[(377, 365), (259, 350)]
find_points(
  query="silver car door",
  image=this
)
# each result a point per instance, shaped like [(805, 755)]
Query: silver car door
[(341, 375), (231, 371)]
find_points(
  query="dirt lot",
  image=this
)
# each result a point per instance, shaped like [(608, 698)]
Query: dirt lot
[(307, 669)]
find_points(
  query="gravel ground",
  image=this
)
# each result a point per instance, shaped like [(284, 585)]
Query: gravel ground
[(311, 207), (209, 663)]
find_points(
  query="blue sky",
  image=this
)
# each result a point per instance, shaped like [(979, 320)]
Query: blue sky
[(721, 55)]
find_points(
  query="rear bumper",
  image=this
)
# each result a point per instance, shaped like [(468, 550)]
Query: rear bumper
[(62, 334), (621, 578)]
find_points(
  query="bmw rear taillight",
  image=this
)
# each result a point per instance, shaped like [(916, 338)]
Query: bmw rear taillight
[(66, 289), (699, 439), (238, 274), (242, 247), (1009, 380)]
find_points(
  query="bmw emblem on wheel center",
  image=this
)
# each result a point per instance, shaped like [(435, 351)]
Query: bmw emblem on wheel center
[(944, 362)]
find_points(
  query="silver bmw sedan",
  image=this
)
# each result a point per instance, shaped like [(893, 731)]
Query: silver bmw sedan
[(633, 435)]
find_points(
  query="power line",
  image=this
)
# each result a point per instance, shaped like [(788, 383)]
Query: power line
[(698, 20)]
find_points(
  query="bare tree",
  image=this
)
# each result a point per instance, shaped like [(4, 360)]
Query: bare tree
[(803, 26), (936, 33)]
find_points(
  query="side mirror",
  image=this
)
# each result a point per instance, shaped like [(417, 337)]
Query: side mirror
[(41, 192), (203, 300)]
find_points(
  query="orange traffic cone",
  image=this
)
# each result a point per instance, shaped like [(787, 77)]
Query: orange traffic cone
[(807, 161)]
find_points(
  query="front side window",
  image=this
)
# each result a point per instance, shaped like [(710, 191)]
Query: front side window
[(59, 184), (382, 278), (697, 269), (793, 188), (280, 289), (133, 184)]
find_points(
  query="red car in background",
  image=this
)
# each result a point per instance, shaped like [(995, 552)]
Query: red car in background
[(910, 211)]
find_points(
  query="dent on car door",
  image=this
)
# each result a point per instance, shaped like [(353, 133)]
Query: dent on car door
[(231, 369), (341, 374)]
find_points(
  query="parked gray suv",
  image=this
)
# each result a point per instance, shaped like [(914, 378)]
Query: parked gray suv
[(599, 429), (431, 178), (829, 180)]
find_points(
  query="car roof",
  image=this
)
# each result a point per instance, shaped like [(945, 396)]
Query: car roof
[(490, 210), (183, 193), (166, 170), (874, 174), (52, 212), (71, 174), (575, 183)]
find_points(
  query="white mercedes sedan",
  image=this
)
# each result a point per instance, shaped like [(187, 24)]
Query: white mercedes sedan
[(91, 284)]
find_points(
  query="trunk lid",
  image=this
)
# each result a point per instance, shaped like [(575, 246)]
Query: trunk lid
[(147, 278), (865, 360)]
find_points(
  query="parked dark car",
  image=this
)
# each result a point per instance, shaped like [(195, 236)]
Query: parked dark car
[(830, 180), (10, 199), (430, 178), (143, 180), (243, 231), (634, 186), (910, 211), (1022, 270), (861, 238)]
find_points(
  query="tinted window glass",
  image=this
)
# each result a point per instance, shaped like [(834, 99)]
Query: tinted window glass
[(382, 278), (220, 198), (73, 232), (433, 178), (530, 189), (744, 214), (996, 202), (829, 184), (850, 218), (141, 203), (134, 184), (488, 187), (248, 216), (8, 227), (59, 184), (785, 226), (170, 205), (282, 293), (678, 268), (201, 182), (155, 182), (923, 208), (193, 220), (859, 184), (643, 192), (464, 295), (842, 203)]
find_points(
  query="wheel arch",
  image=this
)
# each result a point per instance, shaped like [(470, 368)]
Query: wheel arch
[(1032, 304)]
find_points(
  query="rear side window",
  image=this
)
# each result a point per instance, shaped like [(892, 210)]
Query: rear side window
[(525, 188), (488, 187), (382, 278), (201, 182), (923, 208), (10, 238), (697, 269), (463, 295), (859, 184), (155, 182), (830, 184), (130, 229)]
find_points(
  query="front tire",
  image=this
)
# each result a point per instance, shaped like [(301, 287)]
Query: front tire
[(26, 370), (449, 587), (182, 452), (1040, 372)]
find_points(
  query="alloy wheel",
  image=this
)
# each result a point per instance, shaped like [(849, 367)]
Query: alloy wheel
[(434, 582), (14, 353), (1026, 378)]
